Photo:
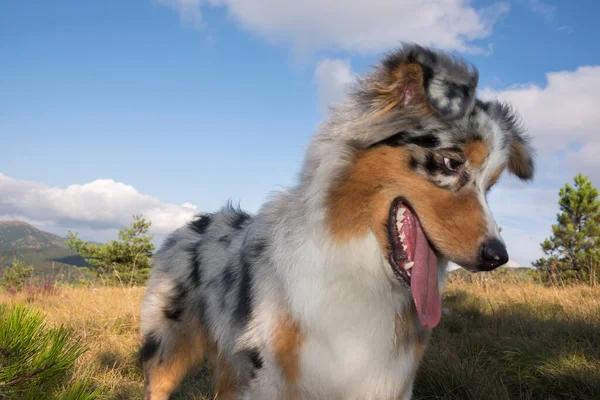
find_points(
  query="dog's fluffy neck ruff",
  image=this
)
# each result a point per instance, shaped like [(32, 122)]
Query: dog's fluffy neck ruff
[(353, 272), (340, 294)]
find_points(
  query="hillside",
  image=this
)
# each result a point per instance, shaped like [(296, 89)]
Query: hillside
[(21, 235), (46, 251)]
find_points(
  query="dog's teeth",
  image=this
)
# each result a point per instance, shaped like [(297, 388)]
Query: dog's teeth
[(402, 237), (404, 247), (409, 265), (399, 225), (408, 273)]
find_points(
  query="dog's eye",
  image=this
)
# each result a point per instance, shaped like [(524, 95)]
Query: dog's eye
[(452, 165)]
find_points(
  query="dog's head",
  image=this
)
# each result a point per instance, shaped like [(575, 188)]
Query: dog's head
[(427, 152)]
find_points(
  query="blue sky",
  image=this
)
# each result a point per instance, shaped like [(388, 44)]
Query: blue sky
[(170, 107)]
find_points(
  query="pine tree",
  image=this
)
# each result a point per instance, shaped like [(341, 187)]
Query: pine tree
[(573, 251), (36, 359), (16, 275), (124, 261)]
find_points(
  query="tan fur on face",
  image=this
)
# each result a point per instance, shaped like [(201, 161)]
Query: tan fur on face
[(476, 152), (361, 199)]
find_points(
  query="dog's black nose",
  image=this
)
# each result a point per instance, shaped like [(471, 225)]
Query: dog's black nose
[(493, 255)]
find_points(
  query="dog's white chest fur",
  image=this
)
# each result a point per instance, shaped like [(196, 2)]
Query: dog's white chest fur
[(357, 363), (351, 349)]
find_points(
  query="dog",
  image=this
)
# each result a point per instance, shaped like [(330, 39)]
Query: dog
[(331, 290)]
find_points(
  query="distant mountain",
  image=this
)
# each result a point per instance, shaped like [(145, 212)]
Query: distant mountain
[(21, 235), (47, 252)]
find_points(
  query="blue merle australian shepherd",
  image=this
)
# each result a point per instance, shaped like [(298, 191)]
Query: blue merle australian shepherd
[(331, 290)]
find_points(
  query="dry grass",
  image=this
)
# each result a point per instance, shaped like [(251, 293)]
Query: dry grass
[(107, 321), (509, 338), (503, 338)]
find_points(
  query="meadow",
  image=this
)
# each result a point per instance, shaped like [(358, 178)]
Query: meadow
[(501, 337)]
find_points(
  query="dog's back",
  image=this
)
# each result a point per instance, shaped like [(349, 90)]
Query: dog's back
[(198, 301)]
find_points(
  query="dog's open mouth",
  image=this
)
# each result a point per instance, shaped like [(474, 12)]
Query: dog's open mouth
[(414, 262)]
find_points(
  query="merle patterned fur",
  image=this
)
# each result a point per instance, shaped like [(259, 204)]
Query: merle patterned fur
[(228, 274)]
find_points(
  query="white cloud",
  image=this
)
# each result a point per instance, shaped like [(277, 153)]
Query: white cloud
[(525, 212), (563, 116), (535, 203), (587, 160), (98, 208), (524, 245), (332, 77), (356, 25), (566, 108)]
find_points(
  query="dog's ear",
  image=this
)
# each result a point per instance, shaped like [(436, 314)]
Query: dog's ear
[(521, 155), (521, 160), (420, 81)]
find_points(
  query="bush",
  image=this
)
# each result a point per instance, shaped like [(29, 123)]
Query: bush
[(16, 276), (36, 360), (36, 290)]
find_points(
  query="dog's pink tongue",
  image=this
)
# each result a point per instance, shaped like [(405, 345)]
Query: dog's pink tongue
[(424, 282)]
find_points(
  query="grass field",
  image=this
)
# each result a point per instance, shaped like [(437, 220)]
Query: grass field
[(500, 338)]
